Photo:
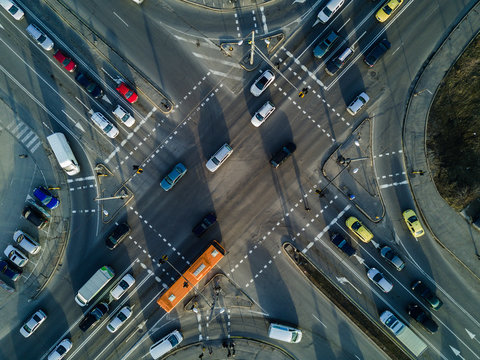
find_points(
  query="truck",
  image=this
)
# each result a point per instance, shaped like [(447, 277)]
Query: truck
[(403, 333), (59, 144), (94, 285), (343, 244)]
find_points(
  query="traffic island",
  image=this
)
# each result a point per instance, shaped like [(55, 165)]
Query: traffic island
[(345, 304), (350, 169), (112, 197)]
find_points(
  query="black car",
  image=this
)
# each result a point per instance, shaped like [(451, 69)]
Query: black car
[(342, 244), (426, 294), (283, 154), (8, 271), (93, 316), (91, 86), (420, 316), (377, 52), (117, 236), (205, 224), (35, 217), (337, 62)]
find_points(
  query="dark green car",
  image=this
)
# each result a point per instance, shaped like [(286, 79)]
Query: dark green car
[(322, 48)]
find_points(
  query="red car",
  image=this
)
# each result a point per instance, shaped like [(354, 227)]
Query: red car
[(127, 93), (67, 63)]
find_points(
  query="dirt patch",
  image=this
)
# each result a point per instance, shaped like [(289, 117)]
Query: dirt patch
[(453, 131), (343, 303)]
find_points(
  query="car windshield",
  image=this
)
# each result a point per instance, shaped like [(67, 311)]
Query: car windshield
[(108, 128), (13, 10), (412, 218), (389, 255), (122, 316), (61, 350), (125, 117), (258, 116), (42, 38), (215, 160), (27, 328), (129, 93), (46, 200), (173, 340), (66, 62), (377, 277), (387, 9), (294, 336), (123, 284), (261, 82), (356, 225), (327, 12)]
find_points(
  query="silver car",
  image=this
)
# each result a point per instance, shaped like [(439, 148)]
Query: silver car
[(262, 83), (12, 9), (33, 323), (122, 316), (392, 258), (61, 350), (26, 242), (379, 280), (357, 104), (122, 286), (15, 256), (43, 40)]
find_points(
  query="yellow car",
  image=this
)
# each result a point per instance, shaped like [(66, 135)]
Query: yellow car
[(387, 9), (412, 223), (357, 227)]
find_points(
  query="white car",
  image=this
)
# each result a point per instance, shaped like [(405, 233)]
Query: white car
[(166, 344), (262, 83), (106, 126), (122, 316), (331, 8), (261, 115), (40, 37), (219, 157), (12, 9), (26, 242), (15, 256), (33, 323), (379, 280), (122, 286), (357, 104), (61, 350), (124, 116)]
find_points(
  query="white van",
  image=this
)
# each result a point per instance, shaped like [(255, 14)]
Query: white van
[(26, 242), (219, 157), (168, 343), (63, 153), (284, 333)]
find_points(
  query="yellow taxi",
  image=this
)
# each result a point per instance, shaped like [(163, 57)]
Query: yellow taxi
[(357, 227), (412, 223), (388, 9)]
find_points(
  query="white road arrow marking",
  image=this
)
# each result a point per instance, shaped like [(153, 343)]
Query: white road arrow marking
[(344, 280), (472, 336), (456, 352)]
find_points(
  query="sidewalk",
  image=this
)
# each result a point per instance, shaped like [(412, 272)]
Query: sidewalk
[(448, 227)]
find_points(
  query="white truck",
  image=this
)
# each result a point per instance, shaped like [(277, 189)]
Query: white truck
[(94, 285), (403, 333), (63, 153)]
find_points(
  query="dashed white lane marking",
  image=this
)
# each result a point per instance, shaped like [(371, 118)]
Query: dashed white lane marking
[(391, 175), (264, 20), (238, 26), (254, 19), (384, 186), (388, 154), (308, 116), (86, 211), (118, 16), (88, 178)]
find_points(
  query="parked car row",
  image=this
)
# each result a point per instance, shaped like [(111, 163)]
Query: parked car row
[(91, 87)]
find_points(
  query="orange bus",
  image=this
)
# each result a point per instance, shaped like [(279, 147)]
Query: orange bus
[(191, 277)]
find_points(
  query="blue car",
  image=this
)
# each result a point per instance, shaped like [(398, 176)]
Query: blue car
[(46, 198), (172, 178)]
